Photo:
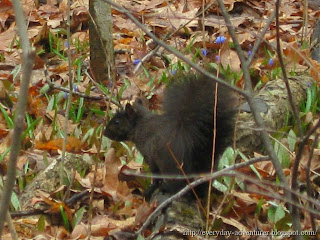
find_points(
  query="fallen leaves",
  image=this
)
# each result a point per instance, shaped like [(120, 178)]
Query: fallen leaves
[(73, 145), (117, 207)]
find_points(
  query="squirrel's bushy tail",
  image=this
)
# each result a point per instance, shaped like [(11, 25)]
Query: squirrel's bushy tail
[(189, 104)]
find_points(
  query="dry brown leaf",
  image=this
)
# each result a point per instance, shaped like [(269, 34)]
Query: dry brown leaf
[(7, 38), (230, 58), (60, 121), (102, 225), (111, 183), (143, 211), (236, 224), (73, 145), (6, 142), (80, 231), (5, 11)]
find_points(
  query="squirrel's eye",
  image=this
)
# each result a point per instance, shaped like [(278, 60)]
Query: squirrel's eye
[(117, 122)]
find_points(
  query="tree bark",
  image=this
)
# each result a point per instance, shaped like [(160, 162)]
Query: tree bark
[(101, 41)]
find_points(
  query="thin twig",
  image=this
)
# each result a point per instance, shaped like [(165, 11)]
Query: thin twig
[(300, 152), (260, 38), (69, 99), (83, 95), (308, 181), (28, 56), (295, 213), (9, 221), (284, 72), (187, 176)]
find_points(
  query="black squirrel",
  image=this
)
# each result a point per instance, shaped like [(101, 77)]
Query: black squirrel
[(184, 129)]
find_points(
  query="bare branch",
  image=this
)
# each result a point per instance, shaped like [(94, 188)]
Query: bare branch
[(28, 56)]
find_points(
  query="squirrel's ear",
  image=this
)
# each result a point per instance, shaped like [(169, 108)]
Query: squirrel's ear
[(129, 110)]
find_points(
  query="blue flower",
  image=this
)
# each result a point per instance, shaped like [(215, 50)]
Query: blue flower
[(220, 39), (136, 62), (218, 58), (173, 72), (270, 62), (249, 53), (204, 51), (75, 88)]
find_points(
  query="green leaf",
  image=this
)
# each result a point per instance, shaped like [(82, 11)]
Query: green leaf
[(8, 119), (3, 155), (16, 71), (15, 201), (88, 134), (26, 167), (279, 213), (97, 111), (64, 218), (227, 159), (127, 148), (228, 208), (41, 223), (123, 87), (275, 212), (78, 216), (51, 103), (80, 110), (271, 214), (259, 207), (251, 166), (292, 140), (45, 89), (219, 186), (127, 204), (139, 158), (309, 100), (282, 154), (31, 125), (140, 237)]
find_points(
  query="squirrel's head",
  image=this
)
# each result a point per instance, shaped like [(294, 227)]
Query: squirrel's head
[(121, 125)]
